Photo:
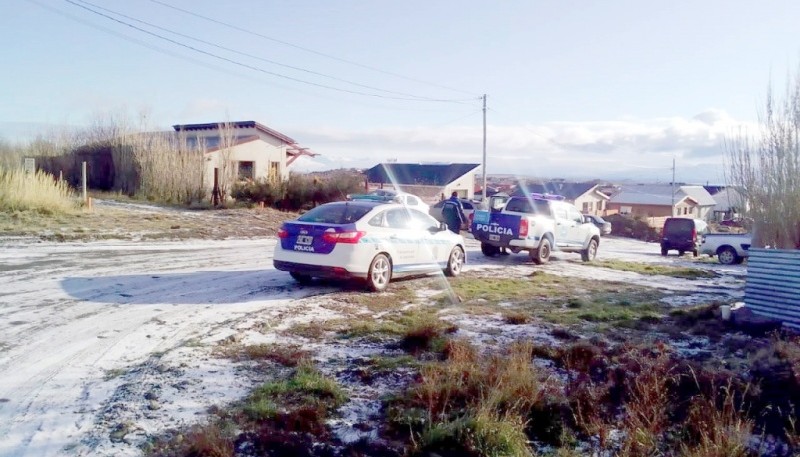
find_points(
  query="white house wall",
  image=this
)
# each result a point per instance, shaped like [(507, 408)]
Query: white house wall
[(465, 186), (597, 202), (258, 152)]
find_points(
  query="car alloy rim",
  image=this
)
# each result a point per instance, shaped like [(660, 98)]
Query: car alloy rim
[(380, 271), (456, 260), (726, 256), (592, 250)]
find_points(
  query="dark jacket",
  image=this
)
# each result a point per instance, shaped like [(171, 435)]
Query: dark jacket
[(453, 214)]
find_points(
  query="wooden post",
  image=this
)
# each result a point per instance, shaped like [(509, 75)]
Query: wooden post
[(215, 190), (83, 174)]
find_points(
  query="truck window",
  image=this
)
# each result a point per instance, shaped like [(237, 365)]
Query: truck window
[(526, 205)]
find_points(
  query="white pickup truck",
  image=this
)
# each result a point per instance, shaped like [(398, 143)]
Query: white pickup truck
[(730, 248), (537, 224)]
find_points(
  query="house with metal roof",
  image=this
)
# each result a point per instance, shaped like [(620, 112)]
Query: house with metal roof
[(586, 196), (243, 150), (431, 182), (658, 201), (731, 203)]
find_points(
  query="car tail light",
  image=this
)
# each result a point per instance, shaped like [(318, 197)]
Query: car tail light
[(470, 217), (283, 233), (523, 228), (343, 237), (694, 234)]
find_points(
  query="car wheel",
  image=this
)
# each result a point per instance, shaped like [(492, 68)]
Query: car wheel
[(380, 273), (455, 262), (681, 253), (588, 254), (300, 277), (488, 250), (727, 255), (664, 251), (694, 253), (542, 254)]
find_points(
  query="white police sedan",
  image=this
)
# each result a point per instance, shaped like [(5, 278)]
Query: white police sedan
[(367, 240)]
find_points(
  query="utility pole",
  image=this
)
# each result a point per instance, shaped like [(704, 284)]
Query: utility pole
[(673, 188), (484, 197)]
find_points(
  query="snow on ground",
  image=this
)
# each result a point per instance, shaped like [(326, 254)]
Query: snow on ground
[(103, 343)]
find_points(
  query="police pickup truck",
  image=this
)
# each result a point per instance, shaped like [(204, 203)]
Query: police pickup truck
[(537, 223)]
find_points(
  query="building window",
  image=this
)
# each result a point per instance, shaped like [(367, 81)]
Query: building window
[(246, 170), (586, 207)]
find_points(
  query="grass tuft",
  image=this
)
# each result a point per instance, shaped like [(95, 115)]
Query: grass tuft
[(38, 192)]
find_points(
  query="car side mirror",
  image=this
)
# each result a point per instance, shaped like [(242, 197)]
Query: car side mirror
[(442, 226)]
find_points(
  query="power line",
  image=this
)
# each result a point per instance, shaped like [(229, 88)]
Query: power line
[(254, 56), (329, 56), (134, 40), (251, 67)]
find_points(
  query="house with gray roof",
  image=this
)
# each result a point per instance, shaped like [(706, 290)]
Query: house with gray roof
[(731, 203), (657, 200), (586, 196), (431, 182)]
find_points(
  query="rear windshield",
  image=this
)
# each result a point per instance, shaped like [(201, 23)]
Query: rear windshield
[(336, 213), (678, 226), (524, 205)]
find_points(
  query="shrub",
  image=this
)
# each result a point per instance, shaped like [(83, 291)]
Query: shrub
[(632, 227), (765, 168), (20, 191), (299, 191)]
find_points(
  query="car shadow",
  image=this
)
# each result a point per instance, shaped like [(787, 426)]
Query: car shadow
[(202, 287)]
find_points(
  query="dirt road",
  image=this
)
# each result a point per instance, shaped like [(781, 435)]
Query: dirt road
[(89, 331)]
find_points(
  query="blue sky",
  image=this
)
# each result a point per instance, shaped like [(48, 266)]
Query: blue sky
[(576, 89)]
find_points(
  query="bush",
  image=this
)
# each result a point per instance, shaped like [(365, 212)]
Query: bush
[(632, 227), (20, 191), (299, 191), (765, 167)]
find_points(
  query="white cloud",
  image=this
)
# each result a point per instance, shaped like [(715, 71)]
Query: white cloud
[(600, 149)]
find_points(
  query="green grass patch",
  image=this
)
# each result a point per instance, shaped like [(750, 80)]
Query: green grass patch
[(558, 300), (307, 386), (656, 269)]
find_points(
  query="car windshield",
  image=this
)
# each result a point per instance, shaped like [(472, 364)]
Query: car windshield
[(336, 213)]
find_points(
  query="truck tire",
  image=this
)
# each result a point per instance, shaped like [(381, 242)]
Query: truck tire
[(488, 250), (727, 255), (588, 254), (541, 254), (664, 251)]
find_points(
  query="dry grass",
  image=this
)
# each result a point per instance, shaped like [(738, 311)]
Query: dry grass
[(113, 223), (283, 354), (38, 192), (475, 402), (720, 430)]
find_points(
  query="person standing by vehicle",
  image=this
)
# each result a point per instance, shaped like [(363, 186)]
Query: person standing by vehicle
[(453, 213)]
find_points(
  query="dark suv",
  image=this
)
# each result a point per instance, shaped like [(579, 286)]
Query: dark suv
[(682, 235)]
